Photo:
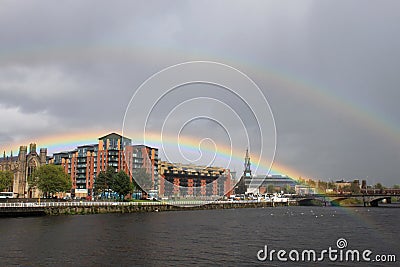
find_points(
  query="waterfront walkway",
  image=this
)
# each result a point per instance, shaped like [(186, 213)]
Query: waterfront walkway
[(94, 207), (188, 203), (32, 208)]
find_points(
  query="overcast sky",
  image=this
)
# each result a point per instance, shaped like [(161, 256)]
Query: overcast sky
[(329, 70)]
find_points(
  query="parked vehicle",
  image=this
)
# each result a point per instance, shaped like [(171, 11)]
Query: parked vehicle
[(6, 195)]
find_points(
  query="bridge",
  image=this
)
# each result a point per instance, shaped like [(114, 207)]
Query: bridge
[(335, 199)]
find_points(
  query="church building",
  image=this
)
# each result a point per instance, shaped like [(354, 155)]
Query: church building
[(23, 166)]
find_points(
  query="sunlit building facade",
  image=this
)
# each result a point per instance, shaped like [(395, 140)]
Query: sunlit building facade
[(85, 162), (188, 180)]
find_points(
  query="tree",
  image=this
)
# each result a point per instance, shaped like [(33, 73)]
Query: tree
[(396, 186), (379, 186), (345, 189), (50, 179), (322, 185), (121, 184), (100, 184), (109, 180), (311, 183), (6, 180), (288, 189), (104, 181), (331, 185)]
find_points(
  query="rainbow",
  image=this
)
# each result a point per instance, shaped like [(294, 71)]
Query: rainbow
[(58, 142), (294, 85), (288, 81), (226, 152), (340, 105), (69, 141)]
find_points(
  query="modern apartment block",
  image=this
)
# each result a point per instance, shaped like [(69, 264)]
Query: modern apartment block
[(85, 162), (141, 156), (187, 180)]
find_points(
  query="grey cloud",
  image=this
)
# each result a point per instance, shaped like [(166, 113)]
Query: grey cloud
[(75, 65)]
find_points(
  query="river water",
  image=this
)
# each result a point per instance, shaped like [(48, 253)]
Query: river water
[(202, 238)]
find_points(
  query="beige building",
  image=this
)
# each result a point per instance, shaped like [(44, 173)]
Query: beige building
[(22, 166), (188, 180)]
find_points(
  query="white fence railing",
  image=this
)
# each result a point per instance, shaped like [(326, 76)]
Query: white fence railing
[(102, 203)]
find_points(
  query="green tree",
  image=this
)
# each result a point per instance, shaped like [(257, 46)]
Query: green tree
[(379, 186), (122, 184), (331, 185), (104, 181), (311, 183), (100, 184), (345, 189), (6, 180), (288, 190), (50, 179), (396, 186), (322, 186)]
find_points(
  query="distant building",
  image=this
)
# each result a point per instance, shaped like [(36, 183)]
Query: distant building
[(113, 150), (249, 183), (329, 191), (364, 184), (23, 166), (277, 182), (188, 180), (241, 187), (341, 184), (304, 190)]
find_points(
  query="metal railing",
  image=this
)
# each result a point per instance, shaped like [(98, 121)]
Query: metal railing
[(104, 203)]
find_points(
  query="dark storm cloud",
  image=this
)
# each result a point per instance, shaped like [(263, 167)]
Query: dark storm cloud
[(75, 65)]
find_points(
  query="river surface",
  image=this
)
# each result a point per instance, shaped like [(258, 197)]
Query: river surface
[(199, 238)]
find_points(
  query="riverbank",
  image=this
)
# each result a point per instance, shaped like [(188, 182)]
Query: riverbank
[(73, 208), (23, 209)]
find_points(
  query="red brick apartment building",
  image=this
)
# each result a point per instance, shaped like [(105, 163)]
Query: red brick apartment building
[(85, 162)]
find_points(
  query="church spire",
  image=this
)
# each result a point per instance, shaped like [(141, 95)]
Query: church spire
[(4, 154), (247, 164)]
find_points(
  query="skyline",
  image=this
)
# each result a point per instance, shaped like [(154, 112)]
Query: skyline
[(328, 71), (276, 169)]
